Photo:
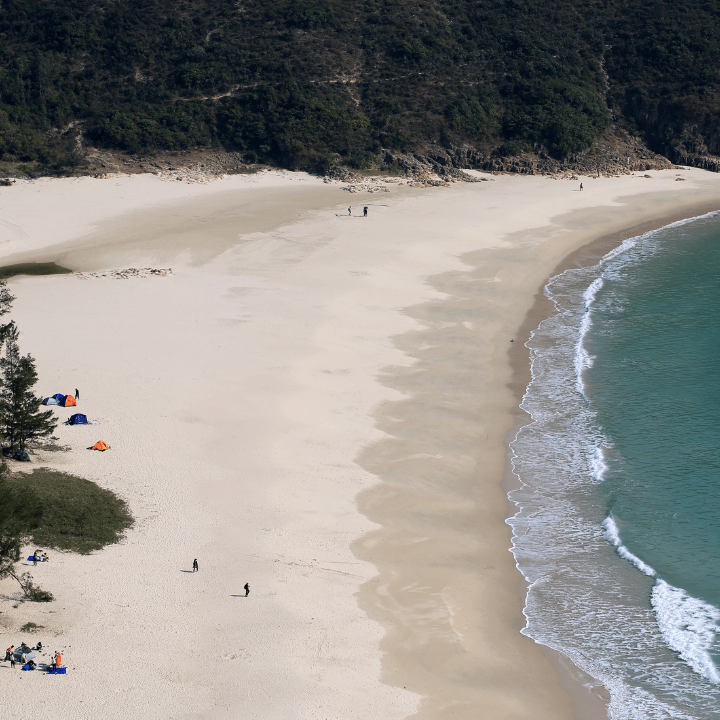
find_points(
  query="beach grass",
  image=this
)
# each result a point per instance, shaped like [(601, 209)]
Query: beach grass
[(31, 627), (78, 515), (48, 268)]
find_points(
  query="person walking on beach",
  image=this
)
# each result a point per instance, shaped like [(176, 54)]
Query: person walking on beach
[(9, 652), (581, 187), (77, 394), (247, 589), (195, 565), (365, 211), (350, 210)]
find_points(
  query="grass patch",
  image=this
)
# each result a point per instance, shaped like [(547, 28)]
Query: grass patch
[(77, 515), (31, 627), (48, 268), (51, 446)]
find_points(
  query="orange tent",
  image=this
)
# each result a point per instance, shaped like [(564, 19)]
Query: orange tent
[(69, 400), (100, 445)]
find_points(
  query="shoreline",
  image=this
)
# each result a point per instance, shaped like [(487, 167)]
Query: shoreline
[(585, 256), (290, 362), (583, 689), (589, 700)]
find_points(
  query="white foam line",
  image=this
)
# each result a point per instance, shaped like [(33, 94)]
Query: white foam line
[(613, 535), (598, 466), (583, 360), (688, 626)]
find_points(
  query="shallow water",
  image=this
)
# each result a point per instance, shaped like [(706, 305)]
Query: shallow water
[(617, 526)]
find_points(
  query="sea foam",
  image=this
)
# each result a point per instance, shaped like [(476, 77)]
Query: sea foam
[(689, 626), (613, 535), (649, 643)]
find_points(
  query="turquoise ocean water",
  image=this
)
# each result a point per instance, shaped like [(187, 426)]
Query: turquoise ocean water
[(618, 522)]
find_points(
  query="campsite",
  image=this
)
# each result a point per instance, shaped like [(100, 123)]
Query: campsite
[(61, 400)]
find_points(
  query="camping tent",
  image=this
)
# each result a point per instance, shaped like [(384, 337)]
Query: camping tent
[(68, 401), (100, 445), (78, 419), (22, 456), (59, 397), (50, 401)]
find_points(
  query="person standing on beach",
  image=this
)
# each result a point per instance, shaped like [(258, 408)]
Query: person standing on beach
[(9, 652), (581, 187), (247, 589), (195, 565), (12, 660), (350, 210), (365, 211), (77, 394)]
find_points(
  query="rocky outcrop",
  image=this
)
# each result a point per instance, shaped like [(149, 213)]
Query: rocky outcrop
[(195, 168), (128, 273), (615, 153)]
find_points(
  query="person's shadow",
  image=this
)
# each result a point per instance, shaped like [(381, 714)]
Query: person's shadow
[(188, 571), (242, 596)]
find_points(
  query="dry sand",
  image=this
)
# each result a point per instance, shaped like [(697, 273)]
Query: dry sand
[(315, 404)]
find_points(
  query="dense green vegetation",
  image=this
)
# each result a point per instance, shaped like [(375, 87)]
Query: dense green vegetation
[(295, 81), (72, 513), (21, 418)]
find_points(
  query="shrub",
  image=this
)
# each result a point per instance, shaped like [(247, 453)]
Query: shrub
[(77, 514)]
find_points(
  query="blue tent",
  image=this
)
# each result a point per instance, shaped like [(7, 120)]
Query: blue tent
[(22, 456), (78, 419), (59, 397), (50, 401)]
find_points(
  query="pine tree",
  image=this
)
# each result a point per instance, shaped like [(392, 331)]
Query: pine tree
[(21, 419), (6, 300)]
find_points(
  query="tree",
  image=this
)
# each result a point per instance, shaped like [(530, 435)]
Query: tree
[(20, 512), (6, 300), (21, 419)]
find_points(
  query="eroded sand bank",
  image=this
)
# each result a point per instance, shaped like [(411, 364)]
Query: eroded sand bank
[(316, 404)]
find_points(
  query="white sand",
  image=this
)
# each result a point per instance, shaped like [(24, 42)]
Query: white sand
[(240, 397)]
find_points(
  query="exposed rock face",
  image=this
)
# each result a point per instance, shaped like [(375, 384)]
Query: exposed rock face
[(342, 174), (194, 168), (690, 149), (616, 153)]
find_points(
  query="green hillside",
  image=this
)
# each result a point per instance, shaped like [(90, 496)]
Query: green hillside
[(295, 82)]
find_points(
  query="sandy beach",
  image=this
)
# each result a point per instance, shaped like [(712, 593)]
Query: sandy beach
[(313, 403)]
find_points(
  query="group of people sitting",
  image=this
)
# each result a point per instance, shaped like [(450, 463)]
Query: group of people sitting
[(21, 654), (40, 556)]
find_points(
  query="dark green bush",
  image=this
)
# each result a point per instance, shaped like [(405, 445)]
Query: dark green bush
[(511, 148), (76, 514)]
